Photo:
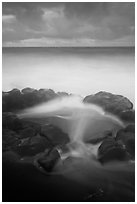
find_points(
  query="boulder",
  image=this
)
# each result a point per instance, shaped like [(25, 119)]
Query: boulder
[(31, 124), (12, 101), (40, 143), (10, 121), (110, 102), (111, 150), (27, 132), (15, 100), (130, 128), (49, 160), (128, 116), (10, 156), (99, 138), (62, 94), (10, 139), (127, 138), (54, 134), (27, 90), (32, 146)]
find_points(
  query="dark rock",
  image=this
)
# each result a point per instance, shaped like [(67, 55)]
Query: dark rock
[(62, 94), (128, 116), (10, 156), (127, 138), (111, 150), (54, 134), (124, 136), (31, 124), (99, 138), (48, 93), (9, 136), (27, 90), (40, 143), (12, 101), (130, 128), (49, 160), (10, 139), (110, 102), (15, 100), (130, 146), (28, 132), (32, 146), (10, 121)]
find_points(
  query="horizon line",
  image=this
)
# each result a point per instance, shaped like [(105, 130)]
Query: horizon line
[(67, 46)]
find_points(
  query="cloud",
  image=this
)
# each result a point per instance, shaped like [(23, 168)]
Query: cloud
[(98, 21), (8, 18), (50, 42), (63, 42)]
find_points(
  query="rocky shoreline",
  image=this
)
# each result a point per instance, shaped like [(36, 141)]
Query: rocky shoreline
[(24, 138)]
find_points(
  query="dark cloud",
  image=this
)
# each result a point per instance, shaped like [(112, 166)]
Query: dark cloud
[(91, 20)]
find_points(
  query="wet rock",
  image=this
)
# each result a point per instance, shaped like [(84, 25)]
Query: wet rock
[(32, 146), (10, 139), (54, 134), (40, 143), (28, 132), (31, 124), (127, 138), (99, 138), (111, 150), (10, 156), (12, 100), (27, 90), (128, 116), (124, 136), (130, 128), (62, 94), (110, 102), (25, 142), (11, 121), (15, 100), (49, 160)]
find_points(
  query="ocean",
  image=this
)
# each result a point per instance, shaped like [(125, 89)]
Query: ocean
[(80, 70)]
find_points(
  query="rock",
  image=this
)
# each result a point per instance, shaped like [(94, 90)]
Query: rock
[(54, 134), (99, 138), (30, 124), (28, 132), (10, 121), (49, 160), (25, 142), (130, 128), (62, 94), (32, 146), (15, 100), (40, 143), (130, 146), (27, 90), (111, 150), (10, 139), (49, 94), (127, 138), (110, 102), (10, 156), (12, 101), (9, 136), (128, 116)]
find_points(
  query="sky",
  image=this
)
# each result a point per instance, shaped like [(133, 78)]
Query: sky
[(32, 24)]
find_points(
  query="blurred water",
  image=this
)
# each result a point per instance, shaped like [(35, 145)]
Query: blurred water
[(81, 71), (79, 120)]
